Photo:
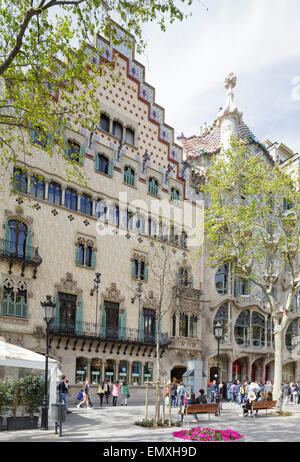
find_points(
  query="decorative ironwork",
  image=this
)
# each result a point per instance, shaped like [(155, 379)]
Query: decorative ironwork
[(90, 331), (17, 254)]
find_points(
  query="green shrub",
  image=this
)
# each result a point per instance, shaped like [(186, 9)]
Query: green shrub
[(25, 393)]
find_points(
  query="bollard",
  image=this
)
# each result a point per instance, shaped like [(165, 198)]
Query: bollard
[(59, 415)]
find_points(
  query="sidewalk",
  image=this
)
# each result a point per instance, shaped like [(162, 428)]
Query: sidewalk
[(116, 424)]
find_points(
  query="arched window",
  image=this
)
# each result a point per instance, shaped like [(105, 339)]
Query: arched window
[(37, 187), (18, 234), (71, 199), (73, 152), (258, 330), (129, 136), (222, 318), (153, 186), (55, 193), (104, 122), (117, 130), (81, 254), (222, 276), (86, 204), (242, 329), (175, 195), (129, 176), (183, 325)]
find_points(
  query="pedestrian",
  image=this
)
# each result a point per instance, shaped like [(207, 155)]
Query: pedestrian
[(107, 391), (63, 390), (100, 393), (295, 393), (181, 394), (201, 397), (285, 392), (234, 392), (86, 393), (248, 404), (115, 392), (193, 400), (213, 391), (125, 393), (173, 394)]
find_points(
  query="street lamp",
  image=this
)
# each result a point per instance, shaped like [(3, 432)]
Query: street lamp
[(97, 282), (49, 314), (218, 332)]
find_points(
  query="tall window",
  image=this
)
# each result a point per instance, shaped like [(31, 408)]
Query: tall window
[(81, 370), (149, 325), (175, 195), (18, 235), (193, 326), (86, 204), (153, 187), (241, 286), (55, 193), (258, 329), (73, 151), (20, 181), (139, 270), (102, 164), (129, 176), (242, 329), (222, 279), (85, 255), (183, 325), (129, 136), (104, 122), (71, 199), (117, 130), (291, 334), (37, 187), (183, 239)]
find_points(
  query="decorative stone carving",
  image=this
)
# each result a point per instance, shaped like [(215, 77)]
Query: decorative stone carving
[(113, 294), (16, 283), (69, 286)]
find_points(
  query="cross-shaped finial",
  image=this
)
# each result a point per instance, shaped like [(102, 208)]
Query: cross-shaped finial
[(230, 81)]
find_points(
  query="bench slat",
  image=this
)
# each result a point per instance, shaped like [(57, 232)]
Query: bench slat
[(202, 408), (264, 404)]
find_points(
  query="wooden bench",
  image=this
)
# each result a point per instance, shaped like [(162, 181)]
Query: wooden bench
[(209, 408), (261, 405)]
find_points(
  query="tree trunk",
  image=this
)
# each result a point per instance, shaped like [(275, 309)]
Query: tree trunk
[(278, 339)]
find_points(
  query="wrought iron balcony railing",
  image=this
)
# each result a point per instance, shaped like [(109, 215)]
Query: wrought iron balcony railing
[(9, 250), (91, 330)]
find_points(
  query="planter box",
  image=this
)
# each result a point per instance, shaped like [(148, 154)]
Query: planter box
[(22, 423)]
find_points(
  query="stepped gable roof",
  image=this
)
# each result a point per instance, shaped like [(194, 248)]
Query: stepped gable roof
[(210, 142)]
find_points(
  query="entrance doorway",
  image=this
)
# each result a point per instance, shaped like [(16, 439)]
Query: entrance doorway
[(177, 373)]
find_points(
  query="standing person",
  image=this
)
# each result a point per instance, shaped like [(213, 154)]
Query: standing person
[(100, 392), (173, 394), (107, 390), (63, 390), (295, 393), (86, 393), (115, 392), (285, 392), (213, 390), (234, 392), (125, 393), (181, 395)]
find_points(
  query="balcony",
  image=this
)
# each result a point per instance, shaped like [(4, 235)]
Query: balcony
[(24, 255), (92, 331)]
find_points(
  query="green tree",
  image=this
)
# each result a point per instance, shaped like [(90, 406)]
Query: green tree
[(253, 223), (48, 79)]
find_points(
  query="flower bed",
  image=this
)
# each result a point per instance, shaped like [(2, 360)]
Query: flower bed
[(208, 434)]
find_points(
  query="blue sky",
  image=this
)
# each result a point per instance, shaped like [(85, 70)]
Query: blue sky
[(258, 40)]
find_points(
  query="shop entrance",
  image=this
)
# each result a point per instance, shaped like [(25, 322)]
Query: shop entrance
[(177, 373)]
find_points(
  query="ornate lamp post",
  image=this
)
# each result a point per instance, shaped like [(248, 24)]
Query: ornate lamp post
[(97, 282), (218, 332), (49, 314)]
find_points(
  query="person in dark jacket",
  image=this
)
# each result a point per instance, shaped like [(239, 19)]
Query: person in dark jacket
[(201, 397), (193, 400), (62, 389)]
